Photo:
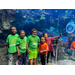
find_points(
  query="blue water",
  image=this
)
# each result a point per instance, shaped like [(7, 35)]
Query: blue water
[(51, 21)]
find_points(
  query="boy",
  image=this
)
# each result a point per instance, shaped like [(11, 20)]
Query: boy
[(43, 49), (11, 40), (21, 47), (32, 46)]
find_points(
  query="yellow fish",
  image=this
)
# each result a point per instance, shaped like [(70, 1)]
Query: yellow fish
[(32, 11), (66, 11), (41, 9), (73, 15), (56, 11)]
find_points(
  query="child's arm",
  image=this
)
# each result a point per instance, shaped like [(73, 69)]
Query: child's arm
[(8, 45), (28, 45), (17, 46), (45, 50), (38, 44), (27, 48), (18, 50), (42, 51)]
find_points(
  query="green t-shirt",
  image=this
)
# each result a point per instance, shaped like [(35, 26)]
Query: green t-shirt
[(33, 42), (22, 43), (11, 39)]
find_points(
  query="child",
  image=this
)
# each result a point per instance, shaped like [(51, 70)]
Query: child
[(21, 47), (43, 49), (32, 46), (11, 40)]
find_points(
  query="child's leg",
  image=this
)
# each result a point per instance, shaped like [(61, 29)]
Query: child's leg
[(35, 54), (10, 59), (21, 58), (52, 57), (48, 57), (42, 59), (31, 57), (31, 61), (34, 61), (45, 59), (16, 58), (25, 60)]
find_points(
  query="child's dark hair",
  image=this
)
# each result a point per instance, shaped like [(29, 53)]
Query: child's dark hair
[(21, 31), (44, 34), (12, 27), (43, 37), (34, 30)]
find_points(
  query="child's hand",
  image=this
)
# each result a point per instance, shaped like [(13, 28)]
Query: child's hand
[(19, 54), (28, 51), (45, 51), (41, 51), (61, 35)]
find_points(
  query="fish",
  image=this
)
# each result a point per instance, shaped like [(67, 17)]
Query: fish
[(27, 21), (47, 13), (40, 9), (24, 16), (56, 11), (66, 11)]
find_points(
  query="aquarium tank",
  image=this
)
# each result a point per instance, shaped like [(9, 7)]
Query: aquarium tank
[(52, 21)]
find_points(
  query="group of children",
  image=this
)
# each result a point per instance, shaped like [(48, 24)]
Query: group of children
[(18, 45)]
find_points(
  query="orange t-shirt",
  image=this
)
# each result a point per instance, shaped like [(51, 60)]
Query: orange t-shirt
[(43, 46), (72, 47)]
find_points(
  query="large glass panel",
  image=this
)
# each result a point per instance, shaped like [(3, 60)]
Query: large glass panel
[(52, 21)]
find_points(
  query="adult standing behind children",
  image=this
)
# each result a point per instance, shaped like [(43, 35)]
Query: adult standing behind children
[(32, 46), (49, 40), (12, 51)]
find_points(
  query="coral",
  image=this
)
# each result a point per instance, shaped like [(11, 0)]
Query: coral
[(6, 25), (42, 17), (51, 29), (0, 31)]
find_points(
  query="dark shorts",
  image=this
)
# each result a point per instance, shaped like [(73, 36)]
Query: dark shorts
[(22, 59)]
